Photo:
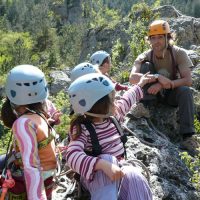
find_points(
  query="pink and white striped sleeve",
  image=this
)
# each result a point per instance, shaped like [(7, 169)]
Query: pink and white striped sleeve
[(25, 134), (129, 98), (78, 160)]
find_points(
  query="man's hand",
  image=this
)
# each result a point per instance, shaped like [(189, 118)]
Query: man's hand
[(165, 82), (151, 78), (154, 89)]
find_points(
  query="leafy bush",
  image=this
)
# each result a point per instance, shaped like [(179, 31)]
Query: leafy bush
[(61, 101), (197, 125), (194, 166)]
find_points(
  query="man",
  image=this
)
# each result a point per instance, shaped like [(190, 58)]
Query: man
[(170, 66)]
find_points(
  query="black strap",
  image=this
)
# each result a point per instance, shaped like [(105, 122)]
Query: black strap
[(174, 66), (123, 136), (96, 147)]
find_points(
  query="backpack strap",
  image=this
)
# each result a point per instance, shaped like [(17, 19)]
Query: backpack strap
[(119, 128), (116, 123), (151, 56), (174, 66), (96, 147)]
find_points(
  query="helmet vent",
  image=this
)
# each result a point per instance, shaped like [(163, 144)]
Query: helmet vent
[(13, 93), (19, 84), (27, 84), (95, 79), (106, 83), (34, 83), (82, 102)]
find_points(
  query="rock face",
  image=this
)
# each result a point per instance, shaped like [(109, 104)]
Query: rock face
[(161, 155), (58, 81)]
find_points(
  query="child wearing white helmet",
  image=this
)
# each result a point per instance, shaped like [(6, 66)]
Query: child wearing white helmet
[(102, 171), (103, 60), (26, 90), (82, 69)]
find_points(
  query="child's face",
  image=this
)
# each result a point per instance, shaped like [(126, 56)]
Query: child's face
[(106, 67)]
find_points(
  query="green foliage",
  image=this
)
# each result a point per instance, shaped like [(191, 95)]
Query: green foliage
[(117, 53), (70, 42), (15, 48), (139, 18), (61, 101), (4, 139), (124, 76), (197, 125), (100, 15), (194, 166), (5, 134)]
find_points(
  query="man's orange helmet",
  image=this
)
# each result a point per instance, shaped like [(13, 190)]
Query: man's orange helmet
[(159, 27)]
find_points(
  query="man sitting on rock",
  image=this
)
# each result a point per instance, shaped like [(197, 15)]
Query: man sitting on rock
[(170, 66)]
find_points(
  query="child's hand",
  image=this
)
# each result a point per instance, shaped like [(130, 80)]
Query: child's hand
[(111, 170), (55, 118), (146, 78)]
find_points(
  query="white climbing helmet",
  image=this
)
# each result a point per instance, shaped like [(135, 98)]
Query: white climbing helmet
[(98, 57), (26, 84), (85, 91), (82, 69)]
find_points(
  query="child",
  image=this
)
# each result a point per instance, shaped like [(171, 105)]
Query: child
[(92, 98), (103, 60), (82, 69), (26, 90)]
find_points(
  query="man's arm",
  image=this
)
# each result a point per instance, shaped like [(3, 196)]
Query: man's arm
[(185, 80), (135, 75)]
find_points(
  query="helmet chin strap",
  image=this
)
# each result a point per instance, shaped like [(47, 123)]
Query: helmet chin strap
[(166, 45), (99, 115)]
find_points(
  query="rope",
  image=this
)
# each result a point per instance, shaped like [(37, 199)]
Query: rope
[(142, 140), (156, 130), (133, 161)]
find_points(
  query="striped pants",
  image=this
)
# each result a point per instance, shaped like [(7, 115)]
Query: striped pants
[(133, 186)]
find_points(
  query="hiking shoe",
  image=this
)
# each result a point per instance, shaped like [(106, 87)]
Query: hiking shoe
[(138, 111), (191, 145)]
